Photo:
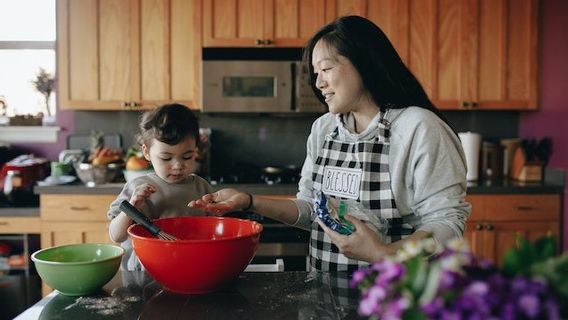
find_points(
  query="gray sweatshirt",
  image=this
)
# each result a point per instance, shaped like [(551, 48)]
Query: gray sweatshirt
[(169, 200), (427, 169)]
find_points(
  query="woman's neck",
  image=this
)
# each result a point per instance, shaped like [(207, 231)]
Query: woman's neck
[(362, 118)]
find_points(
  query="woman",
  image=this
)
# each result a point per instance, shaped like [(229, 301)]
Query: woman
[(383, 136)]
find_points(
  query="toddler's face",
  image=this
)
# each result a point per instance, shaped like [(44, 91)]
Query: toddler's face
[(172, 162)]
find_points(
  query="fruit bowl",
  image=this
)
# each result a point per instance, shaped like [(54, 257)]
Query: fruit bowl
[(210, 252), (93, 175), (78, 269)]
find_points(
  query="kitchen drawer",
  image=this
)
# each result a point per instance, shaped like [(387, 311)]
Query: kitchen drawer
[(75, 207), (477, 207), (19, 225), (542, 207)]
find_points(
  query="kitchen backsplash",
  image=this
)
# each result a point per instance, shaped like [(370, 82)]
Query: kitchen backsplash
[(277, 140)]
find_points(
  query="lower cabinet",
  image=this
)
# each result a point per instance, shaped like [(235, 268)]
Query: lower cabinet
[(496, 222), (73, 218)]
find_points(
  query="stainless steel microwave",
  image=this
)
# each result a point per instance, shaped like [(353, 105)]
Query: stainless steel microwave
[(257, 86)]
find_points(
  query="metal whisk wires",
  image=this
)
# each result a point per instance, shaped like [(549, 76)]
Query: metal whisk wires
[(140, 218)]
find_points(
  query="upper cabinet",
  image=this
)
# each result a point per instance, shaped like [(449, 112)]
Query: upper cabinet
[(473, 54), (117, 54), (261, 23)]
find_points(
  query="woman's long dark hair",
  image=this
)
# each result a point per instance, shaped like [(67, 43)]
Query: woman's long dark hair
[(384, 75)]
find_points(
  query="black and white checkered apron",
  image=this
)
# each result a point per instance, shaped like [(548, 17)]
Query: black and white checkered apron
[(375, 194)]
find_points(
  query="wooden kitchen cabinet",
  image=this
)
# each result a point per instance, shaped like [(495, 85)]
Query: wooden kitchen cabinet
[(474, 54), (261, 23), (128, 54), (68, 219), (73, 218), (497, 220)]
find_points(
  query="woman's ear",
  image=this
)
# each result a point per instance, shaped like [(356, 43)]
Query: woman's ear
[(145, 151)]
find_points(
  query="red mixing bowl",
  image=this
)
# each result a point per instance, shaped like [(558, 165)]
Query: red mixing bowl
[(210, 252)]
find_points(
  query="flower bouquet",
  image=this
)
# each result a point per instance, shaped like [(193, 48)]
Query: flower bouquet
[(420, 282)]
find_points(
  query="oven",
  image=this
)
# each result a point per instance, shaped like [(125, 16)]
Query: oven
[(279, 241)]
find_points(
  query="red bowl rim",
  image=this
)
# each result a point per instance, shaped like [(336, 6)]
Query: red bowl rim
[(197, 241)]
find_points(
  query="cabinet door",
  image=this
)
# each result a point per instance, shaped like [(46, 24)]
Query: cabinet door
[(170, 52), (291, 23), (233, 23), (96, 66), (136, 54), (502, 236), (505, 76), (61, 233), (475, 54)]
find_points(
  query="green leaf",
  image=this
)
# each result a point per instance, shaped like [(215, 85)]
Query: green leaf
[(416, 274), (413, 314), (431, 284), (511, 262)]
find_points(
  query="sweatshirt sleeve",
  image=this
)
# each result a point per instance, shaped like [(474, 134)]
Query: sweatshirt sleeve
[(429, 175)]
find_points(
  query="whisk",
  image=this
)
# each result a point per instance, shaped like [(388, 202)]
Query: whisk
[(140, 218)]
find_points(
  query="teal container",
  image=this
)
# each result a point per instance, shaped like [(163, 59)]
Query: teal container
[(78, 269)]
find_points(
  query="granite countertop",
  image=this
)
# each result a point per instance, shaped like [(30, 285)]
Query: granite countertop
[(483, 187), (280, 295)]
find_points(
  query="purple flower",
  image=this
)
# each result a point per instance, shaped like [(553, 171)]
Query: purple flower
[(357, 277), (433, 307), (448, 279), (392, 272), (371, 302), (394, 310), (552, 311), (529, 304)]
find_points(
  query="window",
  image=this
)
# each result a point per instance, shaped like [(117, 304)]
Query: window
[(27, 44)]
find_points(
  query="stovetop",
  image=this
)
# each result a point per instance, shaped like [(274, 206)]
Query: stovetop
[(248, 174)]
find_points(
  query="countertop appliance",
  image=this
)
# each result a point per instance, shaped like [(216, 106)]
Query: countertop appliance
[(257, 86), (18, 177)]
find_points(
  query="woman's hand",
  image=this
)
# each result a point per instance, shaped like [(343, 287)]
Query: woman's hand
[(363, 244), (221, 202), (141, 193)]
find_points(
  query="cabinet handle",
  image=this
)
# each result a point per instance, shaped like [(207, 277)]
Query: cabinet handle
[(489, 227), (474, 104), (258, 42), (479, 226), (465, 104), (124, 104), (268, 42), (79, 208), (3, 223), (524, 208)]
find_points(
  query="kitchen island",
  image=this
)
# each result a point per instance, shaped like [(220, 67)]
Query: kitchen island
[(280, 295)]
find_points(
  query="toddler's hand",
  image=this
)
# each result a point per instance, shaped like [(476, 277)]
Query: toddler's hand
[(141, 193)]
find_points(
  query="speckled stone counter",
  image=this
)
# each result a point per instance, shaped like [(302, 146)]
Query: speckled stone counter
[(281, 295), (484, 187)]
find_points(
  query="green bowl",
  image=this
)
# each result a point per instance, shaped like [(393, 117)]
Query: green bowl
[(78, 269)]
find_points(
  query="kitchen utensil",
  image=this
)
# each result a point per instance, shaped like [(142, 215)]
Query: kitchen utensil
[(140, 218), (93, 175), (212, 251), (78, 269)]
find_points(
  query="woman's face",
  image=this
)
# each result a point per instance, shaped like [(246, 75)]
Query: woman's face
[(338, 80), (172, 163)]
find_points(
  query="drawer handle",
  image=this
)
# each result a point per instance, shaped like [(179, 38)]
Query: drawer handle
[(525, 208), (3, 223), (479, 226), (79, 208), (489, 227)]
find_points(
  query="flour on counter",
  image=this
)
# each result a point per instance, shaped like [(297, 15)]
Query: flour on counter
[(104, 305)]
